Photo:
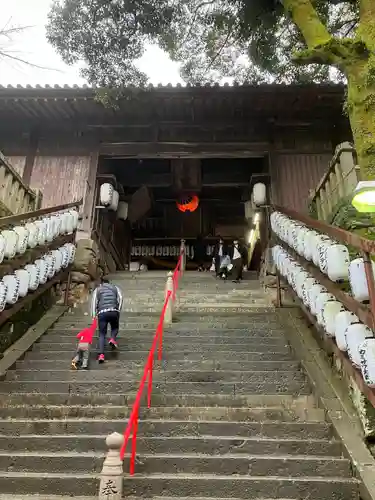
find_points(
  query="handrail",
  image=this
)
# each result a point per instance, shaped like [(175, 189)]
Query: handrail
[(132, 425), (12, 219)]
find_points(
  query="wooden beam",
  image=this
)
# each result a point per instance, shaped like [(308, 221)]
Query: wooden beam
[(183, 149), (90, 194), (30, 156)]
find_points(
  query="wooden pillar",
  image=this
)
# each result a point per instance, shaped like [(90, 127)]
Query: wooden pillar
[(89, 202), (30, 157)]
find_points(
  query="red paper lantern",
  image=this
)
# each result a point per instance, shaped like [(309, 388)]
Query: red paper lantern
[(189, 204)]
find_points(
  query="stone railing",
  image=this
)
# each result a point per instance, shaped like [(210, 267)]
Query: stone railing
[(337, 185), (15, 196)]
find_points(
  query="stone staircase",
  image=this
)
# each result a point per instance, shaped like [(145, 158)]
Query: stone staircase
[(232, 415)]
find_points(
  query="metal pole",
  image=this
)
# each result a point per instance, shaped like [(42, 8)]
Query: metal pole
[(370, 284), (278, 291)]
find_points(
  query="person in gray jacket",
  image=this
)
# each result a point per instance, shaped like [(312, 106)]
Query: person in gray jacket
[(106, 305)]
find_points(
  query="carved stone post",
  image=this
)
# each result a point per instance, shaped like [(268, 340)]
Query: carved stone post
[(183, 252), (111, 480), (169, 310)]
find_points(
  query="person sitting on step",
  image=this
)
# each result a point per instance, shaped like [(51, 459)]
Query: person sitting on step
[(106, 305)]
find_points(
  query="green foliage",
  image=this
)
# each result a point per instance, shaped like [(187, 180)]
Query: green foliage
[(244, 40)]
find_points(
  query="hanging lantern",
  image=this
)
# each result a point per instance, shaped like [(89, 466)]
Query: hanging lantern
[(33, 234), (337, 262), (42, 266), (11, 242), (23, 238), (342, 321), (24, 279), (65, 257), (114, 203), (71, 251), (189, 204), (3, 295), (57, 254), (367, 358), (106, 194), (358, 281), (330, 311), (122, 210), (2, 247), (356, 334), (34, 275), (13, 284), (259, 194)]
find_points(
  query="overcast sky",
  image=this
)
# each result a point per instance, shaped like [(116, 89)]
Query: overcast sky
[(32, 46)]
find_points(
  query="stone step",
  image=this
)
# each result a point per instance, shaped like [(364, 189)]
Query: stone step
[(160, 376), (293, 386), (247, 487), (187, 349), (183, 485), (178, 400), (185, 364), (189, 334), (224, 465), (217, 413), (206, 445), (236, 430), (177, 341), (168, 355)]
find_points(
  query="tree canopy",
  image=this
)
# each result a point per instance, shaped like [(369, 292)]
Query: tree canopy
[(244, 40)]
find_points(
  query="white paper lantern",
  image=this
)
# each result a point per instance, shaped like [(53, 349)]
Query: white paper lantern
[(259, 194), (57, 254), (122, 211), (356, 334), (357, 280), (315, 290), (338, 261), (42, 233), (302, 276), (24, 279), (3, 295), (72, 251), (11, 242), (13, 284), (320, 302), (49, 222), (2, 247), (330, 311), (106, 194), (342, 321), (42, 266), (309, 243), (23, 239), (65, 257), (56, 225), (367, 360), (323, 249), (33, 230), (75, 218), (115, 199), (317, 241), (51, 265), (308, 283), (34, 276), (70, 222)]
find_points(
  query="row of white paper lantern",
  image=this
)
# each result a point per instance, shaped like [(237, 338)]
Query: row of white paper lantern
[(109, 198), (331, 257), (45, 230), (16, 286), (350, 334)]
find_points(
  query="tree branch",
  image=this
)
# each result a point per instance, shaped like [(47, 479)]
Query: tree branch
[(366, 27), (335, 52), (306, 18)]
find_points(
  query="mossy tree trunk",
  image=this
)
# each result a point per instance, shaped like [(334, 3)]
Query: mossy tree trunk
[(355, 58)]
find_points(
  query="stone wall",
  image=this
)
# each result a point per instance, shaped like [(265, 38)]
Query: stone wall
[(17, 326)]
